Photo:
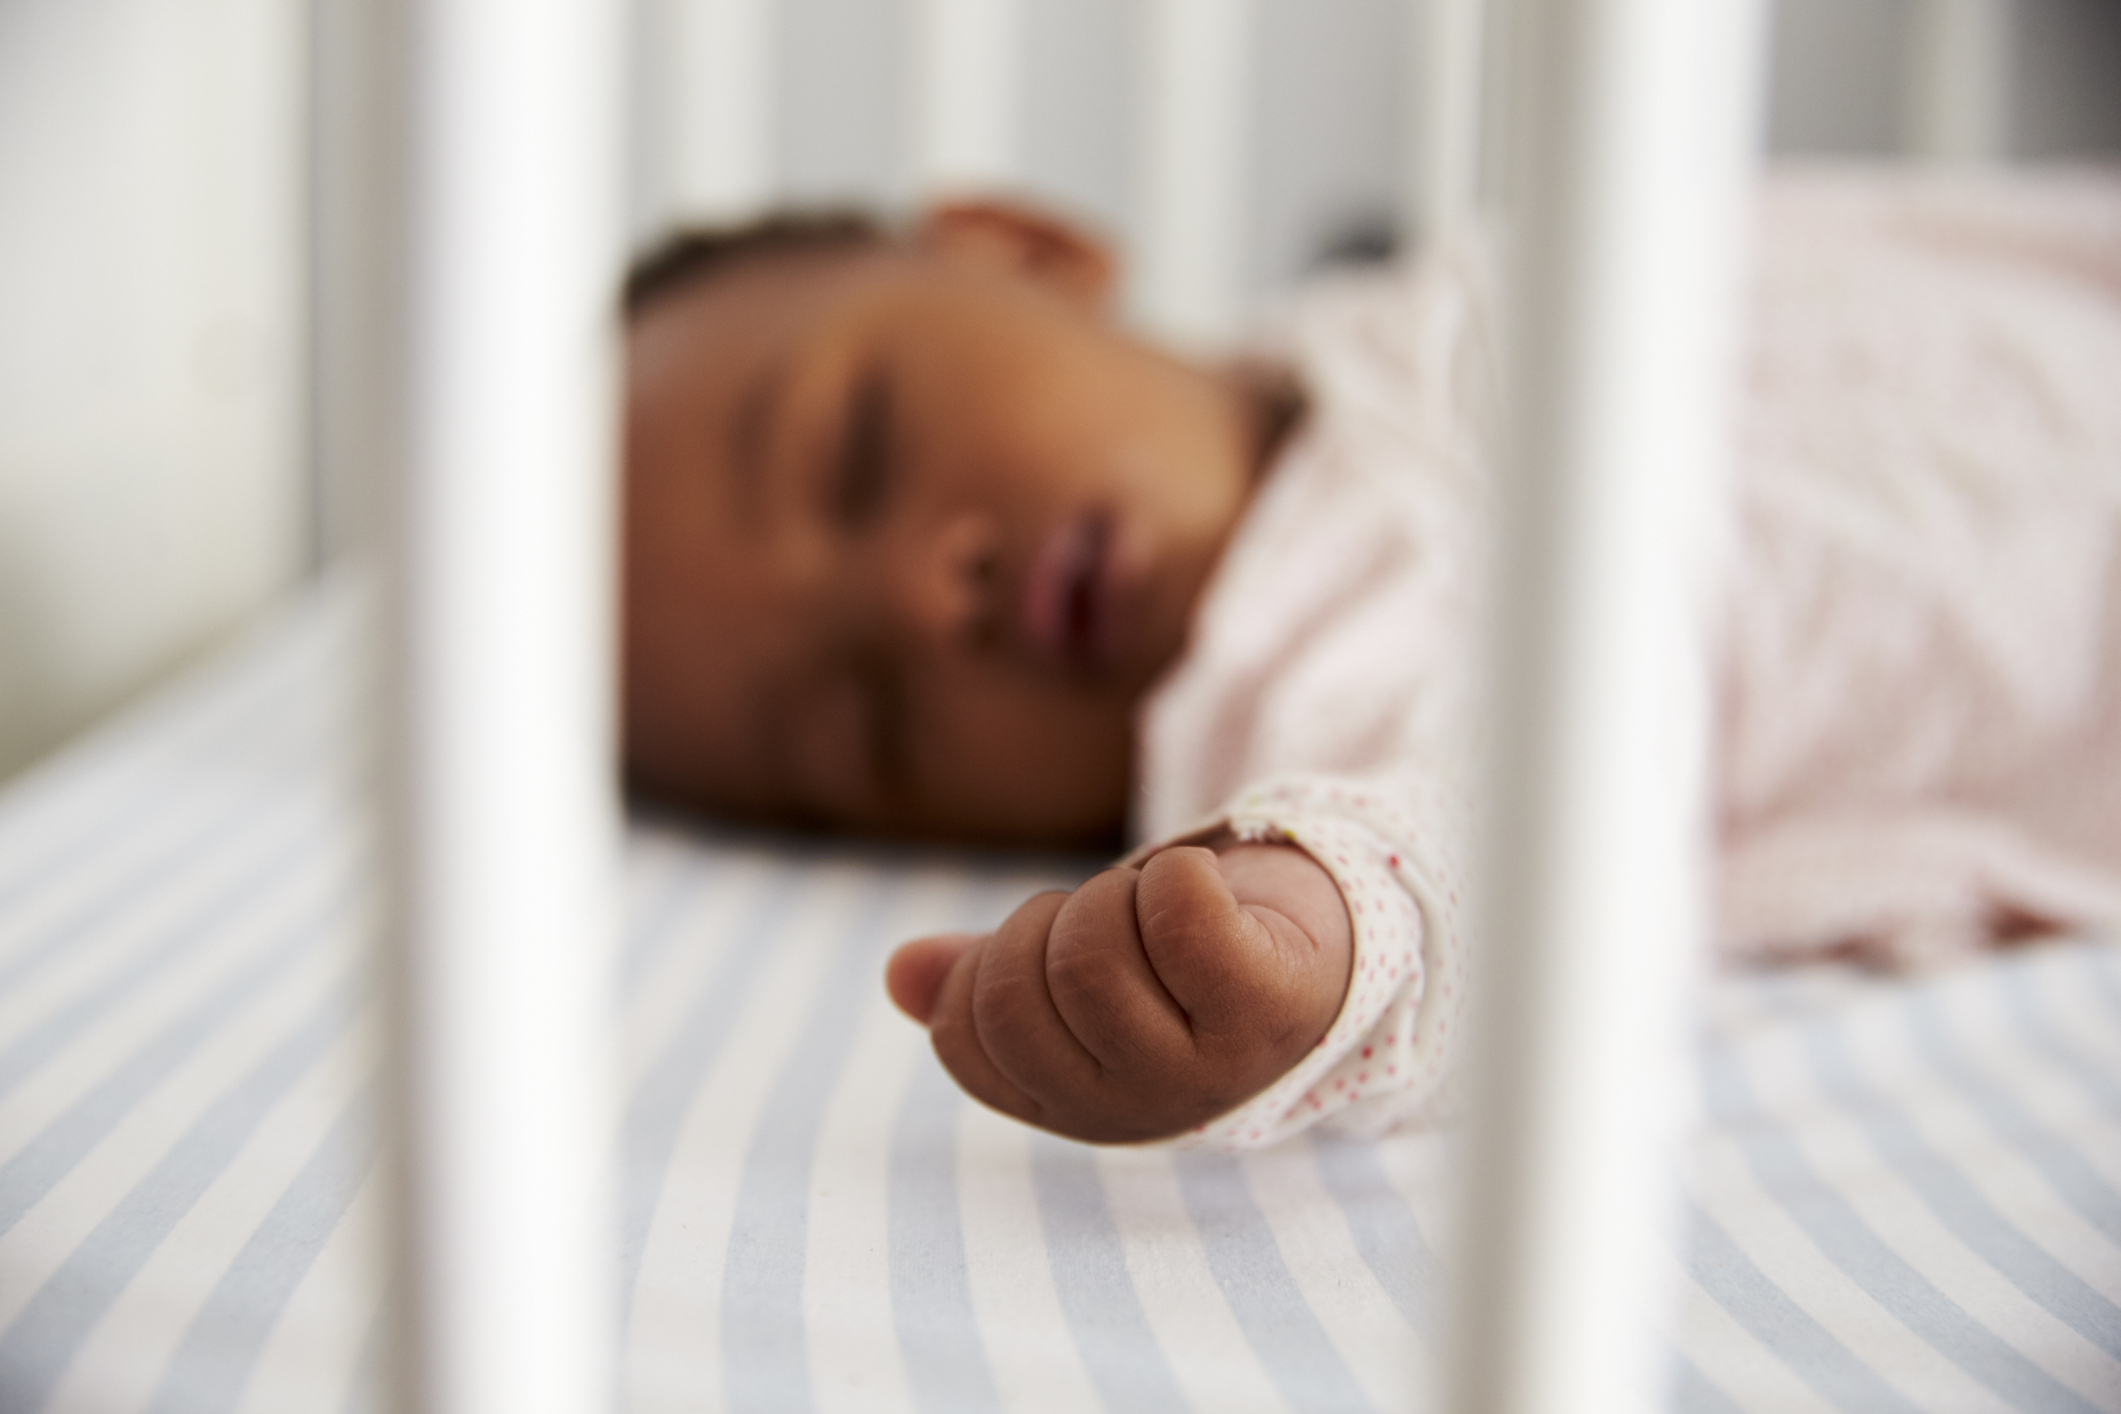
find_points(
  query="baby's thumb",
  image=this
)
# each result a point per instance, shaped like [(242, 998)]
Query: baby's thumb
[(914, 976)]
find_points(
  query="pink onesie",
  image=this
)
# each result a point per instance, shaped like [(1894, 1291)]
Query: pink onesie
[(1918, 659)]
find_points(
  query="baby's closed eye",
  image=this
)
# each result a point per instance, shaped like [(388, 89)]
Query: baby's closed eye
[(862, 474)]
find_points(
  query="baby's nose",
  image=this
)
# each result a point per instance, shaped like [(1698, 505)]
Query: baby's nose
[(945, 591)]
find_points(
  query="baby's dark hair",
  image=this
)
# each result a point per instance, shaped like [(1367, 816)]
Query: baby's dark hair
[(692, 254)]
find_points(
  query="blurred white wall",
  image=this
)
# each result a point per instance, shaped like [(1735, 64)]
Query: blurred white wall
[(151, 491)]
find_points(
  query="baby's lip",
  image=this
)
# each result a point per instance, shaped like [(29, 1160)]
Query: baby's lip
[(1070, 595)]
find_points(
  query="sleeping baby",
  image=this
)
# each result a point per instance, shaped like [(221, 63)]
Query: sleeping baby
[(919, 542)]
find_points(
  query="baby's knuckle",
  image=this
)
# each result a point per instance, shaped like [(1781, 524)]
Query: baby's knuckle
[(1078, 967), (1183, 926), (998, 1010), (1034, 915)]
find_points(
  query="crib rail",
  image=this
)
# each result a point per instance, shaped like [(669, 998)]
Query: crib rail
[(705, 139), (1633, 122), (1957, 82), (498, 815), (1442, 186), (966, 57)]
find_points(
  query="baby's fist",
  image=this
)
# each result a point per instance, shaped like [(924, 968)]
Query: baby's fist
[(1146, 1002)]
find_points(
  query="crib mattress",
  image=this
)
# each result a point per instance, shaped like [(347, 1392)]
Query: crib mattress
[(1905, 1195)]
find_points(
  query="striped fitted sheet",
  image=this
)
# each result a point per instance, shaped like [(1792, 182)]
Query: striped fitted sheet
[(1906, 1196)]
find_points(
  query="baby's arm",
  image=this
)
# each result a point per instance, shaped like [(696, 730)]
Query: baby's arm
[(1146, 1002)]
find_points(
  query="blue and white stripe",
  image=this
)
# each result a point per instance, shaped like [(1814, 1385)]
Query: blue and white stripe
[(1906, 1195)]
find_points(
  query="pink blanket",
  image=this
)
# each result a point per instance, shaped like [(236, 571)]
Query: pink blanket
[(1919, 663)]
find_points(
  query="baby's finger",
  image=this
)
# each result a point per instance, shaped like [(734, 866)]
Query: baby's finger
[(1019, 1028), (1192, 930), (1103, 987), (914, 976), (955, 1036)]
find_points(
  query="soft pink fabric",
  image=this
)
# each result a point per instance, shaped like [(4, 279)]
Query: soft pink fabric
[(1922, 670), (1919, 663)]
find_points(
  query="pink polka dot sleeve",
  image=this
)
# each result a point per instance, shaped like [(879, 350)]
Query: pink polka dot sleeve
[(1400, 869)]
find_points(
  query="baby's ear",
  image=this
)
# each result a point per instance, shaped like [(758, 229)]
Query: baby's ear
[(1021, 240)]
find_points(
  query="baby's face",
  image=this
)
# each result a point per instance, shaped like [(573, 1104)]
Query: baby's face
[(907, 538)]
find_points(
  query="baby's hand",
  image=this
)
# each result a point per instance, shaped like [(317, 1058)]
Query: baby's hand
[(1146, 1002)]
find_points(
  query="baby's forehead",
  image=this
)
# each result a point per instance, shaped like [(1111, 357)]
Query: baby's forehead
[(751, 298)]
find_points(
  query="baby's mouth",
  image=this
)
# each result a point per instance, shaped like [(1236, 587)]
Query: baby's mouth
[(1068, 597)]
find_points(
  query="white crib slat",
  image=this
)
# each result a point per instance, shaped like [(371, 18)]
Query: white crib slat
[(349, 281), (500, 817), (1635, 119), (968, 65), (1958, 80), (711, 66), (1443, 136), (1190, 185)]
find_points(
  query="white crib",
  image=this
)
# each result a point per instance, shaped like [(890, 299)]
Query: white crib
[(883, 1244), (1629, 131)]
